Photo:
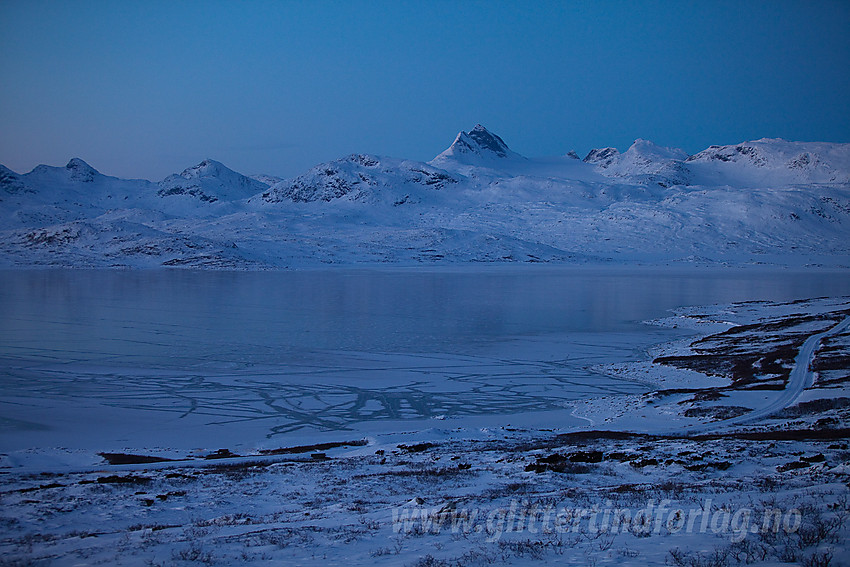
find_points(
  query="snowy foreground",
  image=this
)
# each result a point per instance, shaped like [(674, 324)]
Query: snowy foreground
[(762, 202), (738, 456)]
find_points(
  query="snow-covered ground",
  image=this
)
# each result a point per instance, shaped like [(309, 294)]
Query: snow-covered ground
[(766, 201), (676, 476), (235, 423)]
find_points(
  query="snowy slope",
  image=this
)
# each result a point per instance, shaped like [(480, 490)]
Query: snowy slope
[(761, 163), (483, 158), (116, 242), (771, 162), (11, 183), (360, 177), (644, 162), (266, 179), (209, 181), (48, 195), (768, 201), (52, 195), (80, 181)]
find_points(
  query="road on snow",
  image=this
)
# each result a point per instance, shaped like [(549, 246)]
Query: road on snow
[(801, 377)]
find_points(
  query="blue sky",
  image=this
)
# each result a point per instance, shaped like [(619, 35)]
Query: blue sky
[(144, 89)]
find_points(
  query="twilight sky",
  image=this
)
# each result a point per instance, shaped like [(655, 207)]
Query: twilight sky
[(148, 88)]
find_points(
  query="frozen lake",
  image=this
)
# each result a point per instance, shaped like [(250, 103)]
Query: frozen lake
[(110, 360)]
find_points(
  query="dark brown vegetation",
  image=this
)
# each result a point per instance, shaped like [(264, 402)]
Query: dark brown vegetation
[(758, 356)]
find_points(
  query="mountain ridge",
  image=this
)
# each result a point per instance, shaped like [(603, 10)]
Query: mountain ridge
[(491, 148), (764, 201)]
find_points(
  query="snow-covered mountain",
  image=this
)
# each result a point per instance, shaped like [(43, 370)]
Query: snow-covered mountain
[(602, 157), (771, 162), (644, 162), (48, 195), (210, 181), (78, 180), (477, 147), (483, 158), (761, 163), (10, 183), (360, 177), (767, 201)]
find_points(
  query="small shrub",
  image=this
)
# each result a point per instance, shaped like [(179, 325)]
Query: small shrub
[(557, 463), (193, 554), (717, 558), (818, 559), (431, 561)]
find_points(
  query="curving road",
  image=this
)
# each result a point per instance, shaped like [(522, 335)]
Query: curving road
[(800, 379)]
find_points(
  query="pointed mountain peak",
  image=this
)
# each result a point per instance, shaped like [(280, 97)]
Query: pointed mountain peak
[(487, 141), (479, 143), (81, 171), (77, 163)]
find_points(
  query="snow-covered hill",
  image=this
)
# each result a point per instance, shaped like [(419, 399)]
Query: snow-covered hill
[(10, 183), (477, 147), (771, 162), (49, 195), (209, 181), (360, 177), (644, 162), (80, 181), (767, 201)]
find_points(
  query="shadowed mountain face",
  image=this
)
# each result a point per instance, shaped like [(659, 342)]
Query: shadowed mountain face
[(478, 146), (81, 171), (601, 156), (484, 140)]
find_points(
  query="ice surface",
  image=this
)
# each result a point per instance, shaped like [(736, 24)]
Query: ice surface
[(110, 360)]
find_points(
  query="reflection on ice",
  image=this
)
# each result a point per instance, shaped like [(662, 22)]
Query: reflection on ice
[(99, 359)]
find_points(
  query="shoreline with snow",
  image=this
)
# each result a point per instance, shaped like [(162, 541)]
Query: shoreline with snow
[(624, 492)]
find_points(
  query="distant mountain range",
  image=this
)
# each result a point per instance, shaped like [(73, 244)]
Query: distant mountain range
[(767, 201)]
